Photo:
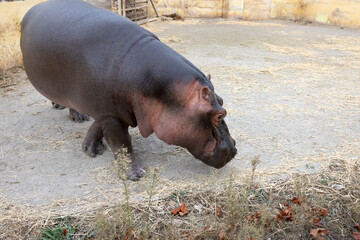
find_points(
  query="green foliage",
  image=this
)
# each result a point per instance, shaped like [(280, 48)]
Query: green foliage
[(63, 230), (175, 196)]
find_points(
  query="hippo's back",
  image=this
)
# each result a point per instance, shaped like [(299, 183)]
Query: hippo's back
[(71, 48)]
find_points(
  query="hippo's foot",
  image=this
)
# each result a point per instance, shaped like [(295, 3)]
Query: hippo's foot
[(93, 144), (78, 117), (57, 106), (117, 137), (93, 148), (135, 171)]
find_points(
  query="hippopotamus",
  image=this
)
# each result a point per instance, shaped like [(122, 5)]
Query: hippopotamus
[(100, 64)]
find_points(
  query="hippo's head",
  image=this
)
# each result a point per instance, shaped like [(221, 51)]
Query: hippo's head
[(192, 117), (216, 148)]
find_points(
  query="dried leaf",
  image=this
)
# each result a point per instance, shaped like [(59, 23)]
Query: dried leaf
[(321, 211), (232, 226), (318, 233), (253, 217), (130, 234), (182, 213), (356, 235), (357, 227), (286, 214), (182, 210), (175, 211), (222, 234), (296, 201), (315, 221), (218, 211)]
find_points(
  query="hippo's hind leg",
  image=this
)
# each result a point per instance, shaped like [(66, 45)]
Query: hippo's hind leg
[(93, 144), (117, 136), (57, 106), (73, 114), (77, 117)]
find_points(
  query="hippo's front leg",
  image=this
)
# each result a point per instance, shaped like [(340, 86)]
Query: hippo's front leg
[(93, 144), (117, 136)]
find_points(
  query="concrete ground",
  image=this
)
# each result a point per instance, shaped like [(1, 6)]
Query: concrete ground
[(292, 92)]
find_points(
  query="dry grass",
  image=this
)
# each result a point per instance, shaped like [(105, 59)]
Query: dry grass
[(287, 50), (10, 53), (246, 207)]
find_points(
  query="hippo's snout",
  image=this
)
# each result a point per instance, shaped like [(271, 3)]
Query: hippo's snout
[(224, 151)]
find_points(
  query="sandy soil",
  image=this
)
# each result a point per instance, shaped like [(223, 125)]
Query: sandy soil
[(292, 93)]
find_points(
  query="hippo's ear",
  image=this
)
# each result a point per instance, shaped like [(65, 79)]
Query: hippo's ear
[(205, 93), (209, 77)]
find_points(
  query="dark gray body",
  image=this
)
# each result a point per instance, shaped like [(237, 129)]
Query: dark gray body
[(103, 65)]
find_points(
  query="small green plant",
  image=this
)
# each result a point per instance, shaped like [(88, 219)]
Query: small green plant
[(62, 230), (175, 196), (310, 166)]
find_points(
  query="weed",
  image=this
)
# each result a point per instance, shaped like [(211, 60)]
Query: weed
[(10, 54), (254, 162), (152, 180), (282, 209), (121, 168), (62, 230), (176, 196)]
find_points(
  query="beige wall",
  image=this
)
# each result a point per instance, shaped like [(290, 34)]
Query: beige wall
[(200, 8), (106, 4), (233, 8), (163, 6), (203, 8), (339, 12), (256, 9)]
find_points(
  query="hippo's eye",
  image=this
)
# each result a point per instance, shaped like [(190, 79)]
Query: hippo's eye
[(220, 117)]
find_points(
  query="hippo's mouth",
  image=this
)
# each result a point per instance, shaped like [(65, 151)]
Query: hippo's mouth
[(210, 146)]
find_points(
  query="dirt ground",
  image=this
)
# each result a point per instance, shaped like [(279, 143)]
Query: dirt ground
[(292, 92)]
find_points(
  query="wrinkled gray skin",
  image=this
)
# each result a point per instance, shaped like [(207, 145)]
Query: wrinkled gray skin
[(99, 64)]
